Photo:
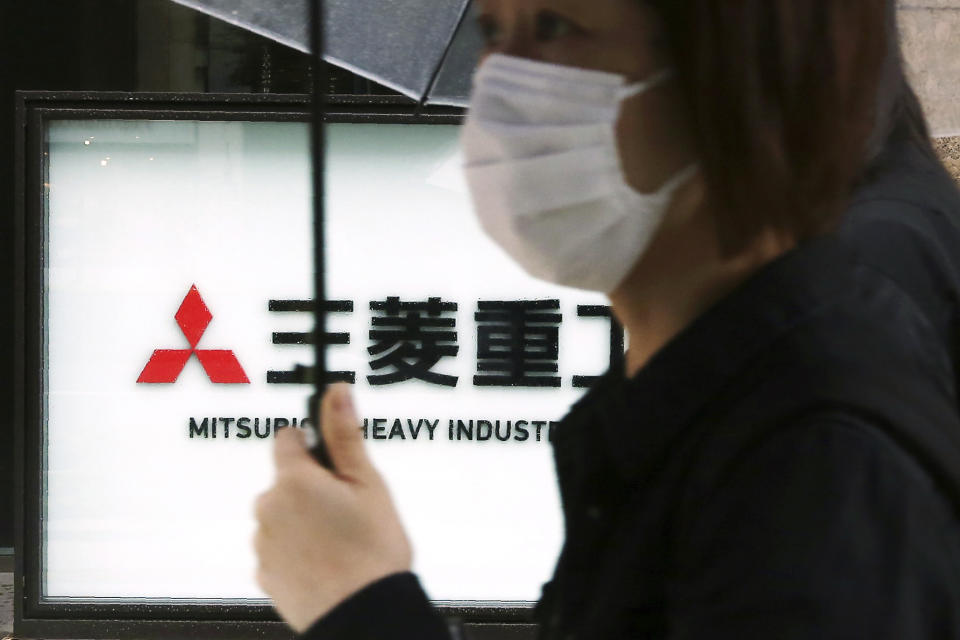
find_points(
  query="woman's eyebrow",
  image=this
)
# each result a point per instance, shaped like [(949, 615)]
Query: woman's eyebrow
[(577, 10), (574, 7)]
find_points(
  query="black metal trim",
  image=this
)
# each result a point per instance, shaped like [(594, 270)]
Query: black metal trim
[(64, 618), (19, 368), (339, 108)]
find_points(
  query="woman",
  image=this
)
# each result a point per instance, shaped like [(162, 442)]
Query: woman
[(752, 184)]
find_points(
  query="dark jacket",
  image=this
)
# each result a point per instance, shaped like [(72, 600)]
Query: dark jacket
[(786, 467)]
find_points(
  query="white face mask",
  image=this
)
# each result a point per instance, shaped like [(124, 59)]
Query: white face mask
[(541, 160)]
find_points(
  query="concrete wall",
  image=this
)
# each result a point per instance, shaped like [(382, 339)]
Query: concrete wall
[(949, 149), (930, 31)]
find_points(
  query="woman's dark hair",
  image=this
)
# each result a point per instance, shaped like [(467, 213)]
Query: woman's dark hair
[(792, 102)]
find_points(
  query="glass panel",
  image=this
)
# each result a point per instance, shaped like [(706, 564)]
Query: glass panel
[(177, 254), (139, 212)]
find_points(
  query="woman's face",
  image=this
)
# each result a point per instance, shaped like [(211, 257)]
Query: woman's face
[(619, 36)]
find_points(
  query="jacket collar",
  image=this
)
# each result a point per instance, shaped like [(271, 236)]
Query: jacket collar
[(638, 418)]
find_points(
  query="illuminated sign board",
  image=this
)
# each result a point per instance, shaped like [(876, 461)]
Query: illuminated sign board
[(176, 303)]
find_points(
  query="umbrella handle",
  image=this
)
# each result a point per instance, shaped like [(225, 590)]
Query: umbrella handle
[(306, 375), (319, 451)]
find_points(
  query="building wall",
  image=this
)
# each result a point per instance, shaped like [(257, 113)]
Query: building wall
[(930, 31), (949, 150)]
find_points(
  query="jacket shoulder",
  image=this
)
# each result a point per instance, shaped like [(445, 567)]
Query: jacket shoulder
[(824, 528)]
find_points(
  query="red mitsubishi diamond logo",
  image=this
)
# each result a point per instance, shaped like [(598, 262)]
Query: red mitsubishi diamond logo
[(221, 365)]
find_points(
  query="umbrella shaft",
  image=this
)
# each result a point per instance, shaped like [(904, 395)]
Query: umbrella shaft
[(319, 80)]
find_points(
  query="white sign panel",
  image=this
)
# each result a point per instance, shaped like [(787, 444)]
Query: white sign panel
[(178, 264)]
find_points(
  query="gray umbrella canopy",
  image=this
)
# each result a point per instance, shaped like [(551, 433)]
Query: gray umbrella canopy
[(426, 49)]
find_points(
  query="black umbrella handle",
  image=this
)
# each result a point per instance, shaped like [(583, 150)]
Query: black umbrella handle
[(306, 375), (319, 450)]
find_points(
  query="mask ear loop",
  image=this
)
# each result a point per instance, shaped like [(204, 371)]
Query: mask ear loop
[(680, 178), (636, 88), (676, 181)]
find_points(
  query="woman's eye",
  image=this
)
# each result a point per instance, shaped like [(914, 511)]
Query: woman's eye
[(492, 33), (550, 26)]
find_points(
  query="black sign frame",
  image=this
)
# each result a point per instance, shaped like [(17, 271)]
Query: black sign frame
[(35, 616)]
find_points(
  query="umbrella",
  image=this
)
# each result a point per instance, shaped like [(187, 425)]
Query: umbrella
[(425, 49)]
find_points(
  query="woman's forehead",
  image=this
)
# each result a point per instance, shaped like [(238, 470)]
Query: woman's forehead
[(601, 14)]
